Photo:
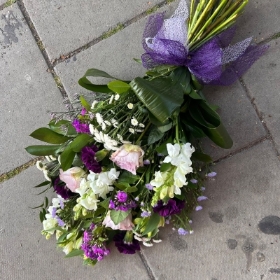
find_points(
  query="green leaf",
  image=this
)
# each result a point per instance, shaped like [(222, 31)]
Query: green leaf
[(160, 96), (131, 189), (105, 203), (202, 157), (84, 103), (118, 86), (66, 158), (165, 128), (152, 224), (74, 253), (47, 135), (100, 155), (154, 136), (39, 206), (42, 150), (79, 142), (42, 184), (41, 216), (194, 95), (62, 237), (122, 186), (118, 216), (182, 76), (63, 127), (127, 177), (165, 166), (84, 82)]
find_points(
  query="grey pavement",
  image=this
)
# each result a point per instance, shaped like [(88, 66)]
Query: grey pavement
[(45, 47)]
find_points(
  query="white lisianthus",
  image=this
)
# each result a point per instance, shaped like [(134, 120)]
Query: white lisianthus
[(68, 248), (159, 180), (89, 201), (84, 186), (49, 223)]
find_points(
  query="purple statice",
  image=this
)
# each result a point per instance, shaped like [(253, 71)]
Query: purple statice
[(149, 187), (211, 174), (173, 206), (122, 196), (146, 162), (145, 214), (89, 160), (194, 181), (61, 189), (202, 189), (112, 204), (182, 231), (80, 127), (201, 198), (60, 222), (53, 212), (126, 248)]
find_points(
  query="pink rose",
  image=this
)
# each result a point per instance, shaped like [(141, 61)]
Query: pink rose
[(128, 157), (72, 177), (126, 224)]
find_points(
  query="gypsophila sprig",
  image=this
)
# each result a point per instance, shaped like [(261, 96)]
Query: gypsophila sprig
[(127, 160)]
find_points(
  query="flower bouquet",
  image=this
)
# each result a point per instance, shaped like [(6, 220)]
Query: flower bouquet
[(129, 161)]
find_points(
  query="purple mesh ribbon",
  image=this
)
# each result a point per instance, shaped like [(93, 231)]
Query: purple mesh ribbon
[(216, 62)]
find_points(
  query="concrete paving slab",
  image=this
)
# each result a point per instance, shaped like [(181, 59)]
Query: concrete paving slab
[(64, 27), (237, 115), (25, 254), (28, 91), (263, 84), (2, 2), (236, 235), (260, 20), (114, 55)]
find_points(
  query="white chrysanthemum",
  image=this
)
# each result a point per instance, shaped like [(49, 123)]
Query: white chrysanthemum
[(131, 130), (141, 125), (93, 104), (40, 165), (130, 106), (99, 118), (108, 123), (114, 123), (111, 99), (117, 97), (100, 137)]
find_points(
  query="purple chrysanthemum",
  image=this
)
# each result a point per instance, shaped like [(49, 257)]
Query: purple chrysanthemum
[(88, 158), (123, 247), (80, 127), (61, 189), (173, 206)]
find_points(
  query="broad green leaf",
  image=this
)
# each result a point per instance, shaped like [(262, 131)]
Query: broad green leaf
[(182, 76), (42, 150), (62, 237), (41, 216), (84, 82), (128, 177), (131, 189), (118, 86), (165, 128), (42, 184), (118, 216), (66, 158), (47, 135), (39, 206), (152, 224), (84, 103), (63, 127), (79, 142), (160, 96), (154, 136), (165, 166), (202, 157), (74, 253), (105, 203), (122, 186), (194, 95)]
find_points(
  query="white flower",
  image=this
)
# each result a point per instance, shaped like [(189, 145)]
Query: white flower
[(49, 223), (147, 244), (134, 122), (46, 175), (93, 104), (100, 137), (159, 180), (173, 154), (40, 165), (130, 106), (141, 125), (157, 240), (114, 123), (84, 187), (107, 123), (117, 97), (131, 130), (68, 248), (89, 201), (111, 99)]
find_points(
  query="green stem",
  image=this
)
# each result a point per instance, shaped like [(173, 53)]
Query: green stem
[(143, 133)]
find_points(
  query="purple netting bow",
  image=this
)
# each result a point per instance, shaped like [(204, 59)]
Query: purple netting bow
[(216, 62)]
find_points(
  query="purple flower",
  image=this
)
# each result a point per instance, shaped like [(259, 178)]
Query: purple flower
[(87, 237), (173, 206), (53, 212), (194, 181), (60, 222), (149, 186), (146, 162), (198, 208), (145, 214), (211, 174), (201, 198), (80, 127), (92, 227), (122, 196), (88, 158), (61, 189), (181, 231), (126, 248), (112, 204), (83, 112), (122, 208), (202, 189)]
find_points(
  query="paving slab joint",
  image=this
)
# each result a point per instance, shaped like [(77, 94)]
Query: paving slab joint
[(110, 32), (270, 38), (259, 114), (41, 46), (144, 261), (12, 173), (7, 4)]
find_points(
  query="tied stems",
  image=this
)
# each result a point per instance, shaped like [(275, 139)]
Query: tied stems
[(209, 18)]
